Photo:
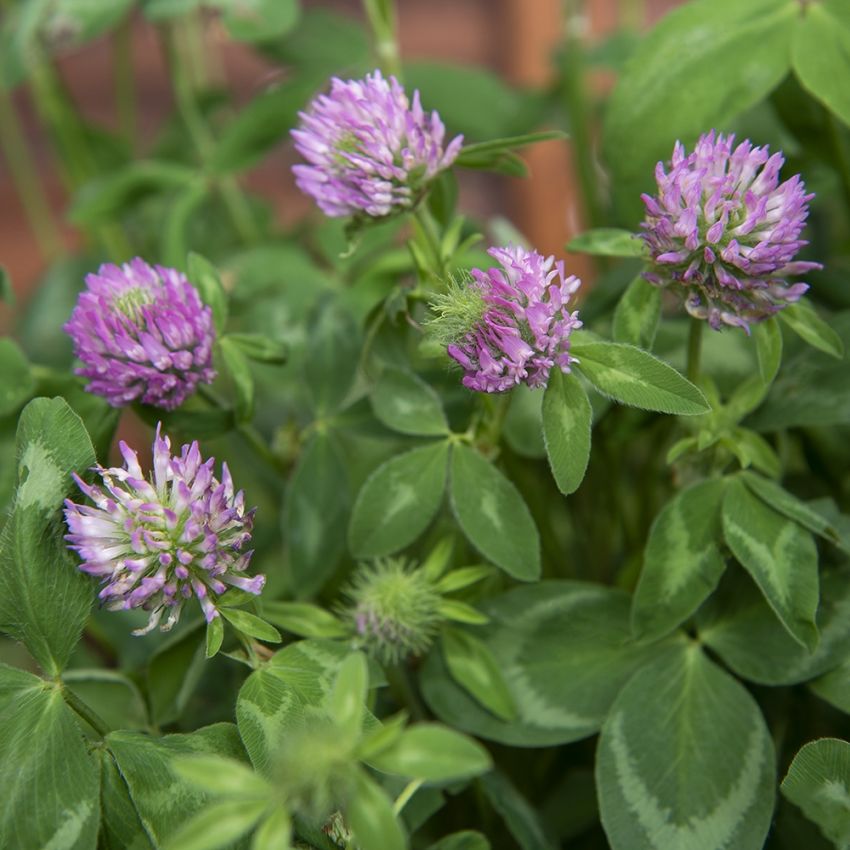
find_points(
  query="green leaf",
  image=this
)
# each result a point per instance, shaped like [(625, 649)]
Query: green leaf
[(433, 753), (214, 637), (217, 825), (260, 348), (510, 143), (521, 818), (259, 20), (637, 314), (468, 839), (805, 322), (315, 514), (682, 562), (49, 781), (405, 403), (370, 814), (347, 697), (463, 577), (460, 612), (704, 63), (743, 630), (174, 673), (608, 242), (779, 555), (332, 354), (251, 625), (304, 619), (16, 382), (567, 420), (493, 515), (783, 502), (664, 776), (472, 665), (381, 737), (523, 424), (236, 366), (818, 781), (564, 649), (164, 801), (87, 19), (120, 827), (768, 337), (398, 501), (635, 377), (222, 777), (820, 52), (275, 832), (44, 598), (204, 277), (834, 687)]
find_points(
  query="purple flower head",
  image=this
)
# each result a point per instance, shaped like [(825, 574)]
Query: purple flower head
[(510, 325), (156, 542), (369, 150), (723, 232), (142, 333)]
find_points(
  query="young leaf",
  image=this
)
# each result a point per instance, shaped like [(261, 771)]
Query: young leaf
[(460, 612), (463, 577), (275, 832), (251, 625), (398, 501), (637, 314), (683, 710), (493, 515), (433, 753), (218, 825), (634, 377), (818, 781), (346, 700), (214, 637), (780, 556), (370, 814), (682, 562), (607, 242), (260, 348), (473, 667), (567, 420), (465, 840), (834, 687), (204, 277), (302, 618), (768, 337), (236, 364), (405, 403), (805, 322), (224, 777)]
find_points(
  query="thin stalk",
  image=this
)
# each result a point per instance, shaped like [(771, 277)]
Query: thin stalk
[(204, 141), (24, 173), (694, 349), (125, 84), (578, 109), (431, 237), (381, 15), (85, 712), (407, 792)]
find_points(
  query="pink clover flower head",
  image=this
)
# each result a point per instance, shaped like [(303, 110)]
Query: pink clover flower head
[(142, 334), (520, 328), (368, 148), (156, 542), (723, 231)]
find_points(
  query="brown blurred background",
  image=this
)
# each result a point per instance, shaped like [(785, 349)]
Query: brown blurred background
[(513, 38)]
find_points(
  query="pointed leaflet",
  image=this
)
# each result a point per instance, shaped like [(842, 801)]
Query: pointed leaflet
[(493, 515), (370, 814), (685, 760), (768, 339), (44, 598), (398, 501), (49, 780), (315, 513), (564, 650), (631, 376), (818, 781), (682, 562), (637, 314), (567, 419), (780, 556), (805, 322), (834, 687), (607, 242), (405, 403)]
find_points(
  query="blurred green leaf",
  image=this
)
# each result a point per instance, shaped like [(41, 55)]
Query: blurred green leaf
[(370, 814), (608, 242), (567, 420), (805, 322), (251, 624), (16, 381), (259, 20)]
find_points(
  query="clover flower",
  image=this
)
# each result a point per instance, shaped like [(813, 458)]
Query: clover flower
[(395, 609), (510, 325), (369, 150), (723, 232), (159, 541), (142, 333)]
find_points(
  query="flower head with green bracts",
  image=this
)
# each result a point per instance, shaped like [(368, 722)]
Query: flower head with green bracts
[(723, 232), (142, 334), (509, 325), (157, 542)]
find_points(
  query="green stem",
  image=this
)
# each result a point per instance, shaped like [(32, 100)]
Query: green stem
[(85, 712), (429, 238), (578, 109), (381, 15), (125, 84), (694, 349), (202, 137), (24, 173), (407, 792)]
